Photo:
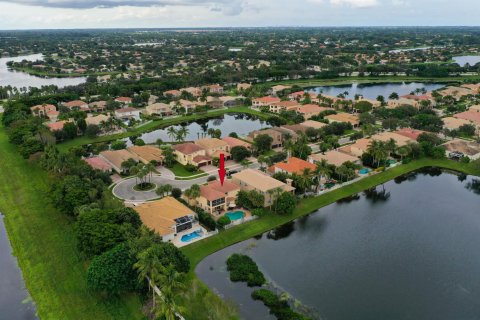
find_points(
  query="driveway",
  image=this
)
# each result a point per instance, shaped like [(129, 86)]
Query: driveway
[(124, 188)]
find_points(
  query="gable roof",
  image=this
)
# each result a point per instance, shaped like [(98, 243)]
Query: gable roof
[(259, 180), (293, 165), (208, 143)]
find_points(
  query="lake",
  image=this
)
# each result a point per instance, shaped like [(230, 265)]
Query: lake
[(408, 250), (14, 298), (242, 124), (21, 79), (372, 91), (463, 60)]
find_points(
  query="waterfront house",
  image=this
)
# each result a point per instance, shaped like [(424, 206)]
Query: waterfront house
[(310, 110), (127, 113), (277, 137), (166, 216), (216, 198), (333, 157), (191, 153), (234, 142), (214, 147), (264, 101), (251, 179), (278, 107), (159, 108), (292, 165), (97, 120)]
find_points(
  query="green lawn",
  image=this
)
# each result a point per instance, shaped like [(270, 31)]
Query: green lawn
[(180, 171), (158, 124), (44, 243)]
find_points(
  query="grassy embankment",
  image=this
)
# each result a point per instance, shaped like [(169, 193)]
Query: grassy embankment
[(45, 246), (159, 124)]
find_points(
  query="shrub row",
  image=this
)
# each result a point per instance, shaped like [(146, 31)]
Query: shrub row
[(278, 307)]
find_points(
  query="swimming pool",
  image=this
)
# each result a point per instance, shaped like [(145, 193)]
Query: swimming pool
[(235, 215), (364, 171), (190, 236)]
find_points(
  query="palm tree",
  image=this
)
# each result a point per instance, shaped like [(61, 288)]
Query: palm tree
[(172, 133), (168, 309), (261, 160), (148, 266), (193, 192), (182, 133), (288, 146), (304, 180), (403, 151), (322, 170)]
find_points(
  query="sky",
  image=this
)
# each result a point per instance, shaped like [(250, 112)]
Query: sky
[(74, 14)]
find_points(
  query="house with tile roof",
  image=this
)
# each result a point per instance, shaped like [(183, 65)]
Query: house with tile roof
[(99, 163), (251, 179), (116, 157), (147, 154), (310, 110), (214, 147), (216, 198), (264, 101), (166, 216), (234, 142), (77, 105), (353, 119), (278, 107), (159, 108), (191, 153), (292, 165), (277, 137), (333, 157)]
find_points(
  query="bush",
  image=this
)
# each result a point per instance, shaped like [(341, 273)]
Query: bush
[(205, 219), (277, 306), (190, 168), (259, 212), (176, 193), (223, 221), (243, 268), (118, 145), (211, 178)]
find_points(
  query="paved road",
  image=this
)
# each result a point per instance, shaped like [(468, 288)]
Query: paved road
[(124, 188)]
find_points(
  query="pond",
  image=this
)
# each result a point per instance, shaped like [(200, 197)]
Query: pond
[(14, 299), (372, 91), (407, 250), (463, 60), (21, 79), (242, 124)]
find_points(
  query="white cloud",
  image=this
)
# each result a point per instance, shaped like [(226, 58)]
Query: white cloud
[(356, 3), (400, 3)]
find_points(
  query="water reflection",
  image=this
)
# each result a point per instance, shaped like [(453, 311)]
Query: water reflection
[(375, 195), (281, 232), (473, 185), (349, 199)]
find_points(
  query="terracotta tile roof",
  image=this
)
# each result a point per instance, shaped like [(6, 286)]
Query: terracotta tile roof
[(123, 99), (74, 103), (45, 108), (160, 215), (208, 143), (210, 194), (117, 157), (334, 157), (97, 119), (227, 186), (98, 163), (410, 133), (201, 158), (259, 180), (187, 148), (293, 165), (147, 153), (344, 117), (313, 124), (311, 108), (234, 142), (56, 126), (126, 110), (267, 99), (469, 115)]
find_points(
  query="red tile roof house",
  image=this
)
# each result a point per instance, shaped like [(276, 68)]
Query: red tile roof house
[(264, 101), (124, 100), (76, 105), (292, 166), (42, 110), (299, 95), (215, 198), (173, 93), (410, 133), (99, 163), (472, 116), (56, 126)]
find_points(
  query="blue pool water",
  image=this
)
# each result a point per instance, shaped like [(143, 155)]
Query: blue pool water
[(189, 237), (364, 171), (235, 215)]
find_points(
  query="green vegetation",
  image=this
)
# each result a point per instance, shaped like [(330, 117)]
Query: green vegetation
[(243, 268), (183, 172), (277, 306), (44, 242)]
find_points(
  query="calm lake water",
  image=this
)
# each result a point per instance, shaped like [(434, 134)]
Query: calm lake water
[(14, 299), (463, 60), (372, 91), (22, 79), (242, 124), (410, 252)]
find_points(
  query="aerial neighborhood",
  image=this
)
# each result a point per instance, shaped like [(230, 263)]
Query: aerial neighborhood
[(145, 170)]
